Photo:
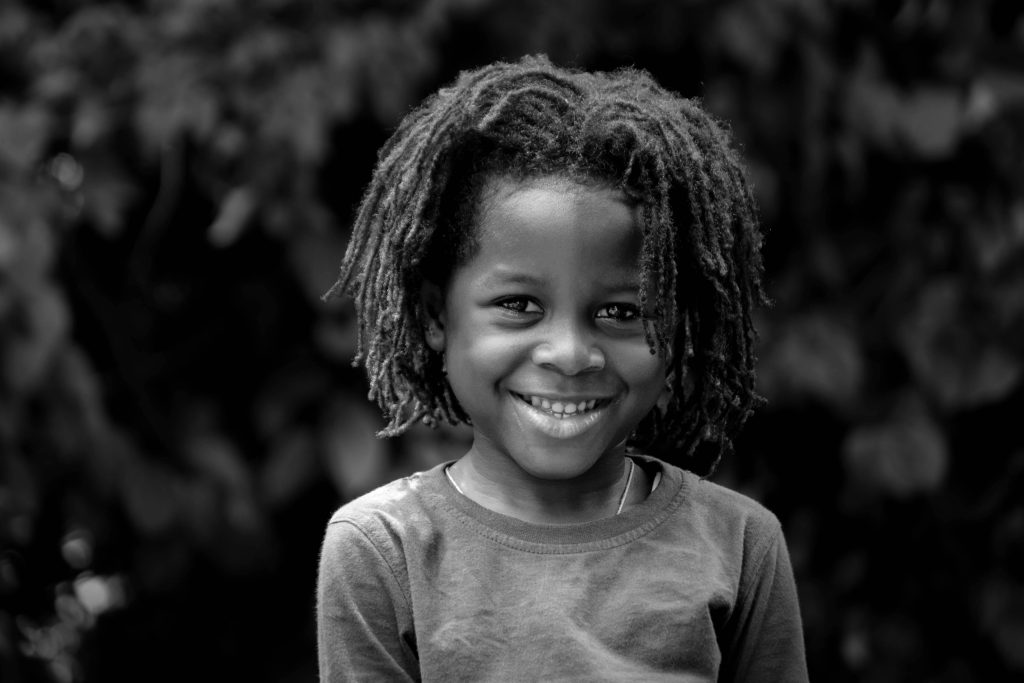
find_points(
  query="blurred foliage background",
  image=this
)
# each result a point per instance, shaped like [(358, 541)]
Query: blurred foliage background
[(178, 416)]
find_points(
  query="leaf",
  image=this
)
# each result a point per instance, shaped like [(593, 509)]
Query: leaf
[(77, 423), (873, 108), (903, 455), (396, 59), (1002, 617), (108, 193), (81, 385), (228, 141), (90, 123), (314, 257), (217, 458), (992, 92), (15, 24), (343, 67), (28, 242), (752, 34), (66, 170), (149, 493), (28, 357), (58, 83), (296, 113), (944, 340), (174, 99), (291, 467), (20, 498), (236, 209), (288, 393), (927, 121), (996, 243), (98, 594), (931, 120), (200, 505), (814, 356), (24, 134), (356, 459), (259, 49)]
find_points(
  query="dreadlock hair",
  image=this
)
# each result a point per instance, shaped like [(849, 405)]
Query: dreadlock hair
[(700, 262)]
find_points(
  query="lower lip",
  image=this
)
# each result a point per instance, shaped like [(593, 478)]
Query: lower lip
[(566, 427)]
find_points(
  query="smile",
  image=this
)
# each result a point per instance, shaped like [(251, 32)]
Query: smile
[(560, 419), (560, 409)]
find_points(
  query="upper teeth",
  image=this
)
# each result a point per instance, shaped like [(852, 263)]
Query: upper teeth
[(560, 407)]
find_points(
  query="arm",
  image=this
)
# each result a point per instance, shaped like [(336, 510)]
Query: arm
[(766, 642), (364, 623)]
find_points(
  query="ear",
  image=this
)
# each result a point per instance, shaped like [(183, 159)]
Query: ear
[(432, 305)]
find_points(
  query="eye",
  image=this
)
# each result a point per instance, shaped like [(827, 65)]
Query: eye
[(518, 304), (620, 313)]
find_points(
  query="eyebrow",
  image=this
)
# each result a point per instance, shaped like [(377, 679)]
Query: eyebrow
[(527, 279), (512, 278)]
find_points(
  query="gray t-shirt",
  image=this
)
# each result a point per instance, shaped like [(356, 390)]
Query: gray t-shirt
[(417, 582)]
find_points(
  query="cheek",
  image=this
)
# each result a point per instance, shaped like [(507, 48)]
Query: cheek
[(644, 372), (483, 350), (481, 360)]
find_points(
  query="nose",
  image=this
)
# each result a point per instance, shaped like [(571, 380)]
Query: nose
[(569, 350)]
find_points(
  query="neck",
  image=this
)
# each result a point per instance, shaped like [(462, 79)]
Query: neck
[(507, 489)]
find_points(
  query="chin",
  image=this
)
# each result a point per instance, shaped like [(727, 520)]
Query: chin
[(559, 461)]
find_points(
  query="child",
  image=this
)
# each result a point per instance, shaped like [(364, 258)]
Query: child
[(566, 262)]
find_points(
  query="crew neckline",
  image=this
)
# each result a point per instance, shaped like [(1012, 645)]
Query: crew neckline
[(632, 523)]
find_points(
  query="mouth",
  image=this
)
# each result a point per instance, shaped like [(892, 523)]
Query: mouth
[(562, 409), (560, 419)]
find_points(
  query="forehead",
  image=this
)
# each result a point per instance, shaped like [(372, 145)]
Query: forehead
[(557, 219)]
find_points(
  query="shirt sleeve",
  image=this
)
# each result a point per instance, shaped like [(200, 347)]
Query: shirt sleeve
[(766, 642), (364, 623)]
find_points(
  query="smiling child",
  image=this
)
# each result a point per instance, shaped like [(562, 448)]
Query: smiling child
[(567, 262)]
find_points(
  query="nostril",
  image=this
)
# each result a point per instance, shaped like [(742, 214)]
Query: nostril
[(569, 357)]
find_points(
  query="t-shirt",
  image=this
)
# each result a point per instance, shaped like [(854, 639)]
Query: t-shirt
[(418, 582)]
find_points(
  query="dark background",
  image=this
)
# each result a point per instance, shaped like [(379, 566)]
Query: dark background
[(178, 417)]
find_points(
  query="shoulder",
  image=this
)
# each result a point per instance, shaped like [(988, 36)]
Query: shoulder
[(731, 504), (395, 511), (394, 499), (373, 535), (748, 534), (721, 511)]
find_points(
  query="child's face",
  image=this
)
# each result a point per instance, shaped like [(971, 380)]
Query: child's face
[(541, 328)]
